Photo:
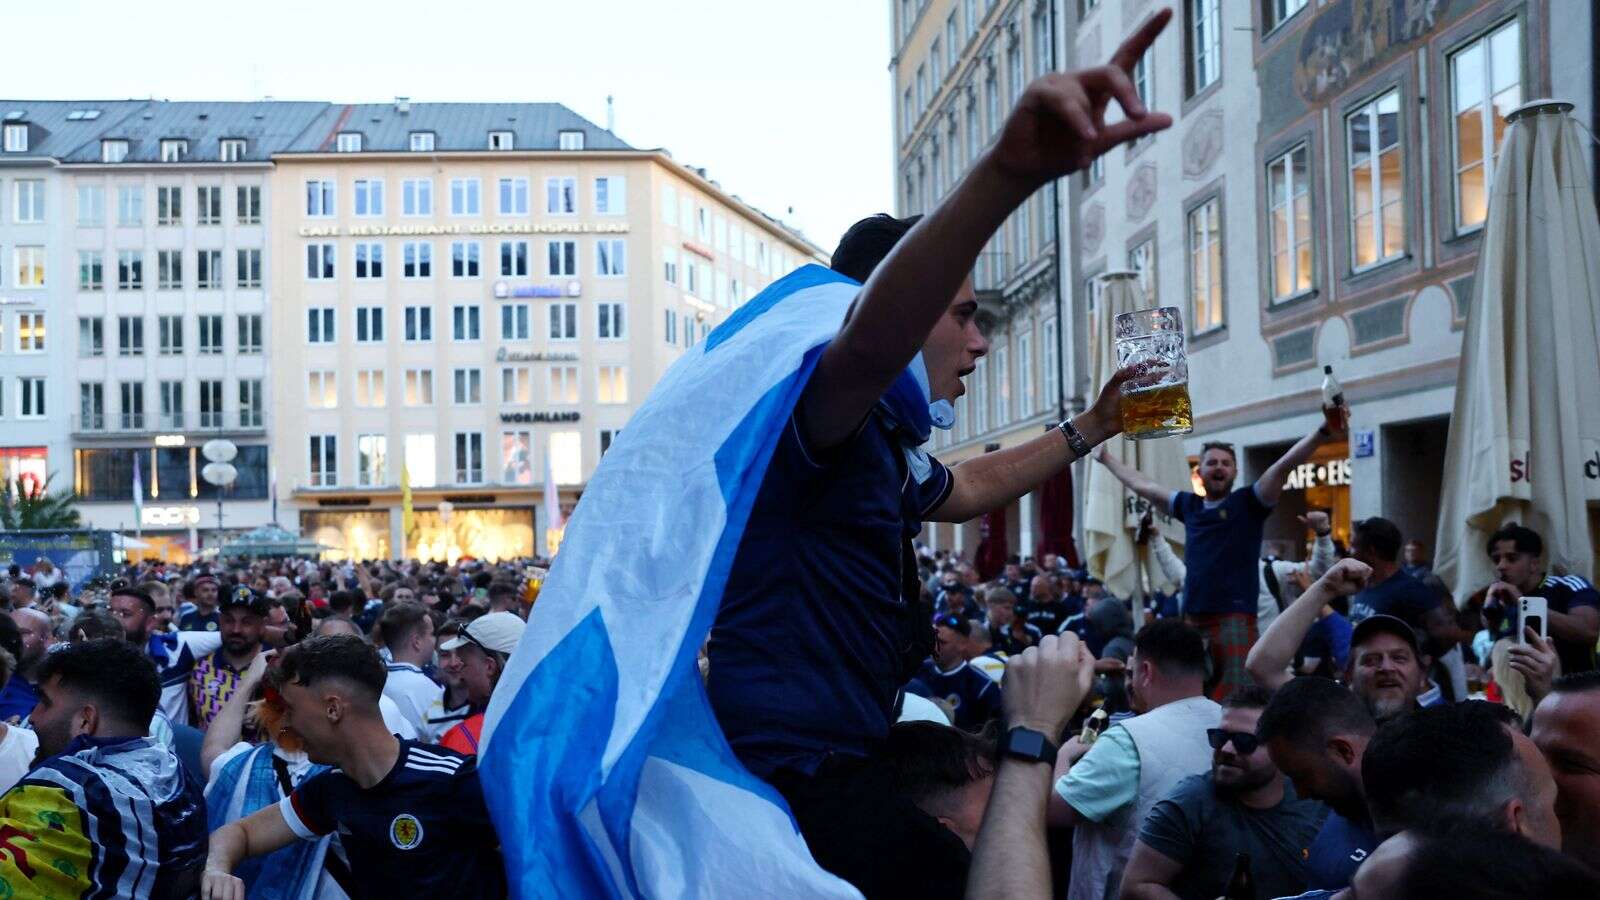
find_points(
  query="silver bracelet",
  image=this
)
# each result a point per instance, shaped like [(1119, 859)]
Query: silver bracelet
[(1075, 439)]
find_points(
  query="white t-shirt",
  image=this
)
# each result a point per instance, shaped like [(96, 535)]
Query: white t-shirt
[(395, 720), (17, 749), (413, 692)]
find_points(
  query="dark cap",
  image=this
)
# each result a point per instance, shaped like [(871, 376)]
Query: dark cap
[(128, 589), (247, 598), (1381, 624), (955, 623)]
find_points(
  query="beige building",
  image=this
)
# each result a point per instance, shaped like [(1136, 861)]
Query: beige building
[(482, 294)]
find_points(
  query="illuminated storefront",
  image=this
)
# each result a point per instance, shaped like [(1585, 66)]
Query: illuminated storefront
[(445, 528), (27, 465), (355, 535)]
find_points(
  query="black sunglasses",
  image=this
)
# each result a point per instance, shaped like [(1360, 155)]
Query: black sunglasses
[(1243, 741)]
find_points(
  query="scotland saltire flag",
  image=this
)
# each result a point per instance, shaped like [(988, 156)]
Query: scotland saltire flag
[(603, 766)]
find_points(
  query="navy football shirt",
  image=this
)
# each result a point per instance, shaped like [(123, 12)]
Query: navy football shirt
[(423, 831)]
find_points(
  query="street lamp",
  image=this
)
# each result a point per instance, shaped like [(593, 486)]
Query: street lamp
[(219, 472)]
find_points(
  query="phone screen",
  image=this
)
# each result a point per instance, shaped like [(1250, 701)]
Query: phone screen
[(1534, 622)]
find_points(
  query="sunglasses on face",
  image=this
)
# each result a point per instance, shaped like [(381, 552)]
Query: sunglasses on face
[(1243, 741)]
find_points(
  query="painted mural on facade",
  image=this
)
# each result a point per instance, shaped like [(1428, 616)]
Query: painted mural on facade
[(1353, 37)]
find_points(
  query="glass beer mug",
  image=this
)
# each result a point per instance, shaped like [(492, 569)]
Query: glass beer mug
[(1155, 403)]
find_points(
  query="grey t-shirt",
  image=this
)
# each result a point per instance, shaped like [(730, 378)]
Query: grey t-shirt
[(1205, 830)]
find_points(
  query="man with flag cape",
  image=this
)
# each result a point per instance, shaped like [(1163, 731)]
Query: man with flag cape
[(765, 494)]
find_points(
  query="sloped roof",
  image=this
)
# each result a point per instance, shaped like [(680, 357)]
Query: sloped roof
[(56, 127), (455, 126), (267, 127)]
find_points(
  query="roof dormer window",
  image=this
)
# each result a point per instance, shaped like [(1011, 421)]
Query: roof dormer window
[(571, 140), (232, 150), (500, 140), (422, 141), (16, 138), (174, 149), (113, 150), (348, 142)]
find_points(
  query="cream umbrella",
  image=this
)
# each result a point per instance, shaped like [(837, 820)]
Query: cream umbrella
[(1111, 511), (1525, 437)]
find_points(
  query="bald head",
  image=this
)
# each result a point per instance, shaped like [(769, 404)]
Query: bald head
[(36, 636), (336, 625)]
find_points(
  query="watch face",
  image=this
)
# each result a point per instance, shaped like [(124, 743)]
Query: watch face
[(1025, 743)]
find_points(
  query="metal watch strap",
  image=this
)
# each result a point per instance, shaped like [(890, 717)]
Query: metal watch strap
[(1075, 439)]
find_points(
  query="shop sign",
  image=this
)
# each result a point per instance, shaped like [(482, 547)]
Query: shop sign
[(169, 516), (503, 291), (170, 440), (1333, 473), (345, 501), (504, 355), (1365, 444), (20, 301), (469, 499), (539, 417), (409, 230)]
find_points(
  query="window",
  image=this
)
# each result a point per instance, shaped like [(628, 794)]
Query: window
[(1001, 370), (922, 91), (562, 258), (569, 140), (513, 196), (422, 141), (1142, 259), (319, 198), (210, 335), (464, 197), (369, 196), (169, 205), (465, 324), (209, 198), (692, 271), (501, 140), (991, 103), (669, 265), (464, 261), (322, 390), (516, 457), (372, 451), (249, 333), (171, 395), (608, 436), (113, 150), (1377, 199), (250, 403), (231, 150), (1204, 44), (563, 321), (610, 324), (420, 462), (169, 331), (91, 336), (516, 385), (514, 319), (1205, 267), (91, 406), (514, 259), (91, 271), (324, 469), (419, 324), (132, 396), (610, 195), (210, 403), (702, 224), (908, 113), (468, 386), (130, 270), (612, 384), (611, 258), (1486, 83), (319, 261), (1025, 397), (369, 388), (369, 324), (564, 385), (561, 196), (417, 259), (416, 197), (671, 327), (30, 398), (247, 201), (1052, 350), (419, 387), (1289, 222), (369, 259), (16, 138), (936, 59), (320, 325), (348, 142), (91, 205), (566, 457), (130, 205), (469, 457), (1278, 11), (130, 335), (208, 270), (1144, 85), (29, 205), (669, 204), (30, 333), (247, 268), (28, 264), (169, 270)]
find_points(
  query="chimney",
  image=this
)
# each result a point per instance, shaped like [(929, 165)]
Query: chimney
[(611, 115), (402, 105)]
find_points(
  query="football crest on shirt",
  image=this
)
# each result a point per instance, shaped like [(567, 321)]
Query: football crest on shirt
[(211, 626), (405, 832)]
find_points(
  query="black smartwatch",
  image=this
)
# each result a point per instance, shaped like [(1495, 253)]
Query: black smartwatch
[(1028, 745)]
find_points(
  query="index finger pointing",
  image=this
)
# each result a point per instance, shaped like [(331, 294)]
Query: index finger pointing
[(1140, 41)]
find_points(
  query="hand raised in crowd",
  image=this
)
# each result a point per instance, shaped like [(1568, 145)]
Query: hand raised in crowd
[(1502, 595), (1058, 127), (1346, 578), (1300, 577), (1538, 662), (1045, 683), (1318, 522), (1147, 526)]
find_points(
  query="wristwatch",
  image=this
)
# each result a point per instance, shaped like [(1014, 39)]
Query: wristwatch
[(1028, 745), (1075, 439)]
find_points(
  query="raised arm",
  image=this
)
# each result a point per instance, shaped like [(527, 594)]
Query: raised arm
[(227, 728), (1269, 660), (1269, 487), (1056, 128), (255, 835), (1153, 494)]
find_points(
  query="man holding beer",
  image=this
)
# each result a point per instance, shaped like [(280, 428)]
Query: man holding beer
[(1222, 543)]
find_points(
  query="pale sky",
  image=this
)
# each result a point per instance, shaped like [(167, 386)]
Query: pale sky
[(786, 104)]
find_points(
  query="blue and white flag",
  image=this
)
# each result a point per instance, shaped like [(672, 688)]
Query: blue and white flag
[(604, 768)]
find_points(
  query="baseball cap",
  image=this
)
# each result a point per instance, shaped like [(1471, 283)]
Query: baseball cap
[(955, 623), (244, 596), (1381, 624), (496, 631)]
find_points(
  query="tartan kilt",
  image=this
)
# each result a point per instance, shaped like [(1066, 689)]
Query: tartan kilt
[(1229, 637)]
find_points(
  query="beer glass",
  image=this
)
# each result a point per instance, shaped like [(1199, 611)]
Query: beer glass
[(1155, 403)]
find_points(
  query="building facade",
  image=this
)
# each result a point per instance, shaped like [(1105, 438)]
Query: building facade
[(473, 296)]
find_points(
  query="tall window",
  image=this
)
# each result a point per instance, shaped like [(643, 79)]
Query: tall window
[(247, 265), (1205, 267), (231, 150), (561, 196), (247, 201), (91, 205), (169, 205), (1025, 398), (30, 396), (416, 197), (562, 258), (372, 459), (611, 257), (1377, 199), (369, 196), (464, 197), (130, 206), (419, 324), (369, 324), (16, 138), (324, 450), (514, 259), (1278, 11), (320, 325), (1204, 43), (91, 406), (208, 270), (1002, 385), (514, 319), (29, 194), (419, 387), (563, 321), (91, 336), (29, 267), (171, 404), (370, 389), (513, 196), (169, 333), (322, 389), (564, 385), (464, 259), (611, 384), (418, 259), (250, 403), (1142, 259), (420, 462), (468, 385), (132, 397), (516, 385), (611, 195), (169, 270), (670, 326), (1289, 221), (609, 321), (249, 328), (91, 271), (30, 333), (130, 335), (319, 198), (319, 261), (466, 323), (210, 391), (516, 457), (566, 457), (469, 457), (1486, 83), (1052, 351), (210, 327), (208, 197), (130, 270), (991, 103)]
